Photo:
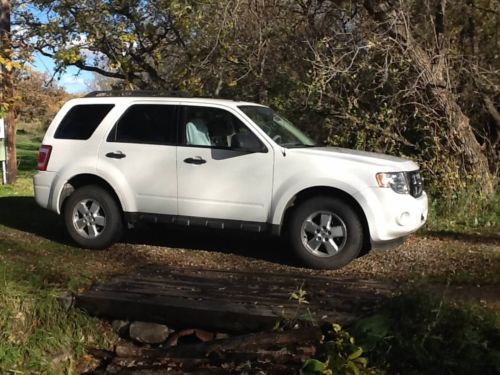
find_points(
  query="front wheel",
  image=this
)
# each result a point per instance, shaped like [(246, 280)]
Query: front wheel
[(325, 233), (93, 218)]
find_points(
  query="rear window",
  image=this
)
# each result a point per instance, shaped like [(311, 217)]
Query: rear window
[(82, 120), (147, 123)]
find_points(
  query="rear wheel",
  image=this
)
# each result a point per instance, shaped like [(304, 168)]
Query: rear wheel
[(93, 218), (325, 232)]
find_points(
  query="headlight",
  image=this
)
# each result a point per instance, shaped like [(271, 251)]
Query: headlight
[(396, 181)]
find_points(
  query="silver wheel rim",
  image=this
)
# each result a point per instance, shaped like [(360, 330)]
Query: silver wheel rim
[(89, 218), (323, 234)]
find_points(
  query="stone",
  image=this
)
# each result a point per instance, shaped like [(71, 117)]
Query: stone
[(221, 336), (67, 300), (121, 327), (148, 333)]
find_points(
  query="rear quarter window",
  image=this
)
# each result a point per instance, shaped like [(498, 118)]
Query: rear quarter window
[(82, 120)]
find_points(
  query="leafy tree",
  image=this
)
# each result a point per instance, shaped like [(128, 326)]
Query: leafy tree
[(37, 100), (7, 92), (395, 77)]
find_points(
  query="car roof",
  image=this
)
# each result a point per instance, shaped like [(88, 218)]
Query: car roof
[(124, 97)]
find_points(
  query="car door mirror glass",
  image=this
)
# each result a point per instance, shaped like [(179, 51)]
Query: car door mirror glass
[(246, 142)]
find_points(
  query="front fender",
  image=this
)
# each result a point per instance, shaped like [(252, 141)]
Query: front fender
[(285, 194)]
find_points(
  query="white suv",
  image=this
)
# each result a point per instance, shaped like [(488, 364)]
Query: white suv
[(109, 160)]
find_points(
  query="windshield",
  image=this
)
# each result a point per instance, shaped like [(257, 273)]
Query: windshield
[(281, 131)]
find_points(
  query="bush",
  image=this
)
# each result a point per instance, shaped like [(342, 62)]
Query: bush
[(464, 211), (418, 334)]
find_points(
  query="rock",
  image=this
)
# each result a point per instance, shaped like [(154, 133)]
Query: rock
[(61, 357), (221, 336), (121, 327), (190, 335), (87, 365), (67, 300), (148, 333)]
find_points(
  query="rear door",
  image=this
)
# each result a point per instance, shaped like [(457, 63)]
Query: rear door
[(215, 180), (141, 147)]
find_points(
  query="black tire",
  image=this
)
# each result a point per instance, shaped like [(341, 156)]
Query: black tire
[(344, 222), (101, 236)]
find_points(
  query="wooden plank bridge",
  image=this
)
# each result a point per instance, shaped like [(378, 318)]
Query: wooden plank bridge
[(229, 301)]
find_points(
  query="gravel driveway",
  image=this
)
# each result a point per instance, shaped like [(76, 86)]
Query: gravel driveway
[(468, 265)]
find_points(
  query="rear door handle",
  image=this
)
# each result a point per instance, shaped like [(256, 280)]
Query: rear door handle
[(196, 160), (115, 155)]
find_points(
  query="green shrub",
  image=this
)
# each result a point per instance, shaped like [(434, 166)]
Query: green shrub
[(340, 355), (418, 334), (464, 211)]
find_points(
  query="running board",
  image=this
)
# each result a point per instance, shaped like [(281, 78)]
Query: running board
[(193, 221)]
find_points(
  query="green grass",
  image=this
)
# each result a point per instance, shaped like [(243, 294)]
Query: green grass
[(465, 212), (27, 152), (37, 335), (417, 333)]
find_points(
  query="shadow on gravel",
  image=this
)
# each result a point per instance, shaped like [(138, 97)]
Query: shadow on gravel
[(22, 213), (252, 245)]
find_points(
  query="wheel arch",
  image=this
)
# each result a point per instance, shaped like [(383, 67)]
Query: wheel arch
[(85, 179), (316, 191)]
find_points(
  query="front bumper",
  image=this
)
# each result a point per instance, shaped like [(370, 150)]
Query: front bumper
[(389, 244), (391, 215)]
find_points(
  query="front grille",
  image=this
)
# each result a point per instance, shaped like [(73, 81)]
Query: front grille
[(416, 183)]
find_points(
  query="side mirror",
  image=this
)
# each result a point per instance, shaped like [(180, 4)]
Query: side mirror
[(246, 142)]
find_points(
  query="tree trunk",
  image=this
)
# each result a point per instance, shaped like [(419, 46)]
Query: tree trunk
[(7, 90), (433, 72)]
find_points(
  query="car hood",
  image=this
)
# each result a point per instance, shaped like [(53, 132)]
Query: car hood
[(388, 162)]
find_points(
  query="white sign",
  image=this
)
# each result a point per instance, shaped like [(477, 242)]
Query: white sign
[(2, 128)]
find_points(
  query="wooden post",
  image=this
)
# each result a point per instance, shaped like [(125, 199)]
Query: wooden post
[(7, 89), (2, 149)]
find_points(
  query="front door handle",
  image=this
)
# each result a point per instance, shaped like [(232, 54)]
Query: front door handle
[(196, 160), (115, 155)]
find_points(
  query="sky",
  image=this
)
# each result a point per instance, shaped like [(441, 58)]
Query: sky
[(74, 81)]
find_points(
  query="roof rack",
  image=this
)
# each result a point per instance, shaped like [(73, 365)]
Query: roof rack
[(136, 93)]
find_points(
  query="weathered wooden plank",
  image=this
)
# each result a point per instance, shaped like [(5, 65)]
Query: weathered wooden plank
[(269, 351), (258, 277), (179, 313), (192, 288), (251, 342), (239, 296), (227, 301)]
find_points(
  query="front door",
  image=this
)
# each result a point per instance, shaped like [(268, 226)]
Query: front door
[(216, 180), (141, 150)]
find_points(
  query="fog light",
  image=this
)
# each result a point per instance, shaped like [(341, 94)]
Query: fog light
[(403, 219)]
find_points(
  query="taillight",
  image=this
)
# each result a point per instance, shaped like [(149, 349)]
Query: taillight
[(43, 157)]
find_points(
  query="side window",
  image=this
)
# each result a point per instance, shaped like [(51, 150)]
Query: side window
[(82, 120), (212, 127), (145, 123)]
